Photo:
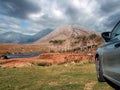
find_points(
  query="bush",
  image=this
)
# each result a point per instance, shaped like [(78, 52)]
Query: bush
[(41, 64)]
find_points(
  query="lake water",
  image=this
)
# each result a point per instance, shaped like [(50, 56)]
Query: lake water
[(23, 55)]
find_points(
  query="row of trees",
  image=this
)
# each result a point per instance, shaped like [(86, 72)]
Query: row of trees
[(77, 43), (58, 42)]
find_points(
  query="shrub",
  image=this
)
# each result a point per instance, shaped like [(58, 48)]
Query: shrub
[(41, 64)]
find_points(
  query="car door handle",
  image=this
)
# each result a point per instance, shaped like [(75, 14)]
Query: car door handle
[(117, 45)]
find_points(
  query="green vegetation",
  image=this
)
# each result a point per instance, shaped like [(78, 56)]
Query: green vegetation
[(62, 77), (92, 36), (59, 42)]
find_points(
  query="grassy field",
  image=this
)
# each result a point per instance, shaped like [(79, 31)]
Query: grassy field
[(62, 77)]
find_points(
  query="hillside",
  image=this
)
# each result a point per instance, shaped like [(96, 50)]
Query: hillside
[(66, 38), (65, 32)]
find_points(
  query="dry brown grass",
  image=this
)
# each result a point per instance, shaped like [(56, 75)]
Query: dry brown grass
[(19, 48), (46, 59)]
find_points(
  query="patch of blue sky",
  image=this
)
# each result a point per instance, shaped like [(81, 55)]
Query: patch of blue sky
[(24, 24)]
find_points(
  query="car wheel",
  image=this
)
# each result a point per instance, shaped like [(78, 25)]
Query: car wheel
[(99, 71)]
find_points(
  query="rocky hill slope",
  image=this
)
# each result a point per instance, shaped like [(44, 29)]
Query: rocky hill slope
[(65, 32), (67, 38)]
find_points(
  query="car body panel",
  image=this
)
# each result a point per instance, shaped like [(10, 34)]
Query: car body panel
[(109, 54)]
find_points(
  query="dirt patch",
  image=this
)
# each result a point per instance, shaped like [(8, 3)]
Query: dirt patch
[(53, 83), (90, 85)]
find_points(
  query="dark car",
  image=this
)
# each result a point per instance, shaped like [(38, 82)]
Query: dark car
[(108, 57)]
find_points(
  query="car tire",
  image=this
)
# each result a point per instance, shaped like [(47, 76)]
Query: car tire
[(99, 70)]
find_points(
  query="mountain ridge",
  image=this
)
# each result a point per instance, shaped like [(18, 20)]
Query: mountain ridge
[(65, 32), (15, 37)]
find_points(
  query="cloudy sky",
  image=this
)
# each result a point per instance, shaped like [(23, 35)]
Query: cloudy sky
[(32, 16)]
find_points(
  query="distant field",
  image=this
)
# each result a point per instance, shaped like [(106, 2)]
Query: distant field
[(56, 77)]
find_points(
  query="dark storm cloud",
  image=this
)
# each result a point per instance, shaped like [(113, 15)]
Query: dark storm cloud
[(49, 22), (18, 8), (110, 10), (69, 10), (112, 20), (108, 6), (99, 15), (72, 13)]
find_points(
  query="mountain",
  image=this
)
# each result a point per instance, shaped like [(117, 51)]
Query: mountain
[(66, 38), (14, 37), (39, 35), (65, 32)]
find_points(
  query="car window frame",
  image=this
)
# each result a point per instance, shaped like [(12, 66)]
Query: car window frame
[(114, 30)]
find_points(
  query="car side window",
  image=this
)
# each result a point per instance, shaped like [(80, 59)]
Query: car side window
[(116, 31)]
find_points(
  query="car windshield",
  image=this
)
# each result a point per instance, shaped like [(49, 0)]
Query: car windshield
[(116, 31)]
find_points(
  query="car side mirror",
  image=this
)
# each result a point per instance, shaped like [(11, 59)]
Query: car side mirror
[(106, 36)]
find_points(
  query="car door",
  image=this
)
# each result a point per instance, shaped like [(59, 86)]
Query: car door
[(111, 55)]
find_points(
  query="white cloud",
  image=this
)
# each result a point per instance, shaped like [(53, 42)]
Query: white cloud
[(2, 25), (35, 16), (57, 14), (14, 26)]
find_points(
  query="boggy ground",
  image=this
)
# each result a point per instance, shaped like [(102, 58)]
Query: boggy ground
[(47, 59)]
